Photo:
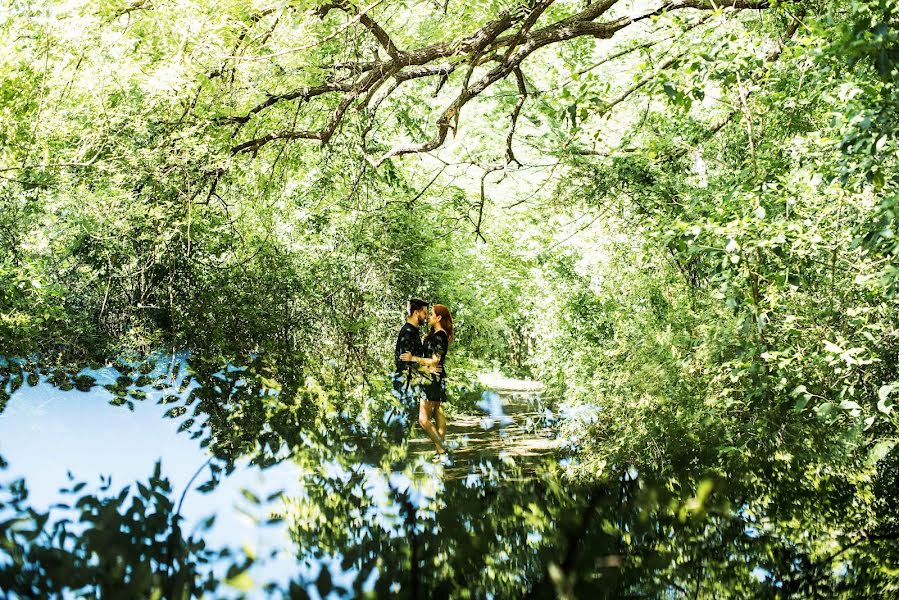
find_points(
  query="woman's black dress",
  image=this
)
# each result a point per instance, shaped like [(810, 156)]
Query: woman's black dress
[(436, 343)]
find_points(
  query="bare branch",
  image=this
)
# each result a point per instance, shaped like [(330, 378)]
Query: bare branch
[(477, 228), (381, 36), (254, 144), (425, 188), (302, 94), (636, 86), (428, 71), (373, 89), (528, 24)]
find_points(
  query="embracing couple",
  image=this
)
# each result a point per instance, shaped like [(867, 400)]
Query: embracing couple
[(420, 378)]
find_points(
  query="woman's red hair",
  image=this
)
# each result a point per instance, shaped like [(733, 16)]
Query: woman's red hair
[(446, 320)]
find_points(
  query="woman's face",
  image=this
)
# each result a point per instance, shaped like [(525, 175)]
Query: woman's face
[(433, 319)]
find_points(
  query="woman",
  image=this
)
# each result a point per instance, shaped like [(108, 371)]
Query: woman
[(435, 346)]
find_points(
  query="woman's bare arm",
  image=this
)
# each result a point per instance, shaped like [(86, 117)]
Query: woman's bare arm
[(425, 362)]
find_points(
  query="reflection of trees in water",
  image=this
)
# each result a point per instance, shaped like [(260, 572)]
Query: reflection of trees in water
[(404, 527), (120, 545)]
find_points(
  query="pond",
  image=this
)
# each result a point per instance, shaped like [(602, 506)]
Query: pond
[(177, 477), (51, 437), (330, 508)]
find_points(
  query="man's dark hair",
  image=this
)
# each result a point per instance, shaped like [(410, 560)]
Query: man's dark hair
[(414, 306)]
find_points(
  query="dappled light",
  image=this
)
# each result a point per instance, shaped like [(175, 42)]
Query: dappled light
[(495, 299)]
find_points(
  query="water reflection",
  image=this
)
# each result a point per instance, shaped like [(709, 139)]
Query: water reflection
[(116, 433), (322, 488), (229, 431)]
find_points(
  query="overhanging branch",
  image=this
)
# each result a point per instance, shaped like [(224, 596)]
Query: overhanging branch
[(490, 44)]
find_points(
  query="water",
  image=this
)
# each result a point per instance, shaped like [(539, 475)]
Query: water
[(330, 492), (322, 488), (53, 438)]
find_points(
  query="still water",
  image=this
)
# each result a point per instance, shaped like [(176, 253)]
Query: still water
[(53, 438), (357, 495), (325, 490)]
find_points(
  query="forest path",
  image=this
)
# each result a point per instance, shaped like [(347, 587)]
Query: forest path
[(512, 429)]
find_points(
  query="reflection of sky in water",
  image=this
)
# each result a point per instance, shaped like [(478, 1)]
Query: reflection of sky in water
[(46, 432), (492, 404)]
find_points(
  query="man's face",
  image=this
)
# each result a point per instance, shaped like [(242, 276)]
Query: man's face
[(423, 315)]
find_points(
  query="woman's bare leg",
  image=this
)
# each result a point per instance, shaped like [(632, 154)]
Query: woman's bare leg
[(425, 408), (441, 421)]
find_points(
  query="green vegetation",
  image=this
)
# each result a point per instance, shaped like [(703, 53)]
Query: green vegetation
[(680, 216)]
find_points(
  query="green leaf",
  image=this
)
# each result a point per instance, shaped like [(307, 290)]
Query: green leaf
[(250, 495), (883, 395), (825, 409), (831, 347)]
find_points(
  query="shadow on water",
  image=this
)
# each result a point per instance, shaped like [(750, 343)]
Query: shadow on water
[(179, 476)]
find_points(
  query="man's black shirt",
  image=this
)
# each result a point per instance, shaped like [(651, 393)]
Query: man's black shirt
[(409, 340)]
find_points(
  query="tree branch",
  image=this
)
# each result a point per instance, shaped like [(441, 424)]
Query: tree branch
[(369, 23), (479, 48), (254, 144), (522, 96), (477, 227), (633, 88)]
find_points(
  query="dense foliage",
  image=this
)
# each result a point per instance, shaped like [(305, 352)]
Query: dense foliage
[(681, 216)]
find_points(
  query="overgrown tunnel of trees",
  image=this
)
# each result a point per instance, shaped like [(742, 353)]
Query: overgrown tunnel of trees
[(666, 230)]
